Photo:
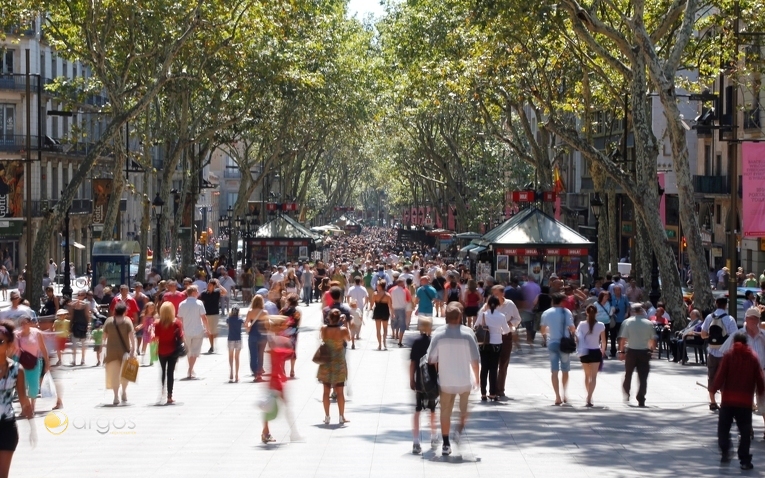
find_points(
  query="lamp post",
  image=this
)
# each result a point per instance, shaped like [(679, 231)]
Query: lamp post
[(66, 291), (655, 293), (156, 206), (596, 204)]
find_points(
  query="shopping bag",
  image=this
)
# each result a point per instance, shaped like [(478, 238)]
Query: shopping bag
[(130, 369), (48, 388), (154, 351), (269, 407)]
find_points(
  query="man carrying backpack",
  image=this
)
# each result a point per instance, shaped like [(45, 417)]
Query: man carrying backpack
[(715, 330), (425, 388)]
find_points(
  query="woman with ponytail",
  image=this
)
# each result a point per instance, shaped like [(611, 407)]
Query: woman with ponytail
[(591, 348)]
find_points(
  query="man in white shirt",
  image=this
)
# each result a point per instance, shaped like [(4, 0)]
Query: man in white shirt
[(98, 290), (716, 335), (359, 293), (192, 312), (510, 310), (454, 351), (400, 297), (277, 276), (52, 268), (406, 274)]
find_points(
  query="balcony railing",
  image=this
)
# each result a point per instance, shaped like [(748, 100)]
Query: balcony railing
[(16, 143), (231, 173), (714, 185), (79, 206), (18, 82)]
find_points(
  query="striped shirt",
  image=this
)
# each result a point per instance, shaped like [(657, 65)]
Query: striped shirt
[(757, 344)]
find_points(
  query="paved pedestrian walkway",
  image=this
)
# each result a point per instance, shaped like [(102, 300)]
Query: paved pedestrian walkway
[(214, 430)]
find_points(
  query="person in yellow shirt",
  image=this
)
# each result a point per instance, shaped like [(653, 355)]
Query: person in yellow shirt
[(61, 327)]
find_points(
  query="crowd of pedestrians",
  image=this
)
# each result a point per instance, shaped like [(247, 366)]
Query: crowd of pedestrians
[(401, 288)]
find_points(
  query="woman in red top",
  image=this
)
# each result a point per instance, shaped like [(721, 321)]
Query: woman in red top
[(472, 303), (167, 332), (280, 348)]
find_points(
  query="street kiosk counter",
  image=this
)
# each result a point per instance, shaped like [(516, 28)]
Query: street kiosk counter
[(112, 261)]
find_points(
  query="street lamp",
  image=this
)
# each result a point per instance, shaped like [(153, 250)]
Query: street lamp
[(596, 204), (66, 291), (156, 206), (655, 293)]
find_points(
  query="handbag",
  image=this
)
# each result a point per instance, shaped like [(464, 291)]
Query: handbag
[(482, 332), (322, 354), (180, 345), (567, 342), (27, 360)]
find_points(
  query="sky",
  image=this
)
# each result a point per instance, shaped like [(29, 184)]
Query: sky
[(362, 8)]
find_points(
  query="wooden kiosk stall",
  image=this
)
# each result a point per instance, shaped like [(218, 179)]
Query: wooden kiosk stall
[(282, 239), (533, 244)]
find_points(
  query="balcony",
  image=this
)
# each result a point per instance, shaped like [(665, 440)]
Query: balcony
[(18, 82), (231, 173), (79, 206), (16, 143), (714, 185)]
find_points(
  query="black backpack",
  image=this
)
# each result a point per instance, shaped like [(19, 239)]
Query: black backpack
[(717, 331), (427, 380), (454, 294)]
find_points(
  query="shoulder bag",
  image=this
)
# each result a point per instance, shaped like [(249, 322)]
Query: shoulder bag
[(26, 359), (567, 342), (482, 331), (322, 355)]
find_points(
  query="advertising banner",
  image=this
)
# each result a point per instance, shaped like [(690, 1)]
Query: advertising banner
[(102, 191), (11, 189), (753, 189)]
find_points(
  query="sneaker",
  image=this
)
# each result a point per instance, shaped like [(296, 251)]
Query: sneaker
[(747, 466), (434, 442), (446, 450), (416, 449), (326, 420)]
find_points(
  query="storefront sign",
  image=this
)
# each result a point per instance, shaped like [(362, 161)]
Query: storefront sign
[(717, 252), (627, 228), (567, 252), (277, 243), (706, 238), (753, 189), (672, 232), (523, 196), (102, 191), (518, 252)]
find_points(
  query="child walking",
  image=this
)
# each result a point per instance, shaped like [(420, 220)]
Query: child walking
[(419, 350), (357, 319), (61, 327), (98, 340), (234, 342)]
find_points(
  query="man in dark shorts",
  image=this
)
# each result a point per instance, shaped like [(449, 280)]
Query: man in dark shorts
[(419, 350)]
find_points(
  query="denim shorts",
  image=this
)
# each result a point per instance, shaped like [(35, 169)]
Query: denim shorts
[(558, 360), (399, 320)]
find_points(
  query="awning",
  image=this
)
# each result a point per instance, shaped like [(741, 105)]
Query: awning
[(476, 251), (78, 245), (464, 251)]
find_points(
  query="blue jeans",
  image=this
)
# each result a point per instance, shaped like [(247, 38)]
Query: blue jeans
[(307, 292), (558, 360)]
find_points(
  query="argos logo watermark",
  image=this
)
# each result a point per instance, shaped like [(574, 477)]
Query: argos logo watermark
[(57, 422)]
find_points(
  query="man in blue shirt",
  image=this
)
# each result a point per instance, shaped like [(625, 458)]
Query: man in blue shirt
[(620, 305), (557, 321), (425, 295)]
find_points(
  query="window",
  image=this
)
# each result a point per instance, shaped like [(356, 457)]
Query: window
[(7, 65), (8, 121), (231, 170), (718, 165), (54, 127), (64, 67), (54, 182), (707, 159), (42, 65), (752, 115), (718, 214), (66, 127), (231, 199), (53, 66)]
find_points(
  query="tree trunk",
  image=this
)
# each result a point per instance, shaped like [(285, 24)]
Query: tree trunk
[(113, 207), (613, 233), (143, 237)]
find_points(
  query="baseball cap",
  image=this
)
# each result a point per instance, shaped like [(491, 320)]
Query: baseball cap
[(262, 292), (61, 312), (753, 312)]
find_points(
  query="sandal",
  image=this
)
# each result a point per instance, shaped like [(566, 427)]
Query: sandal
[(292, 374), (267, 438)]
